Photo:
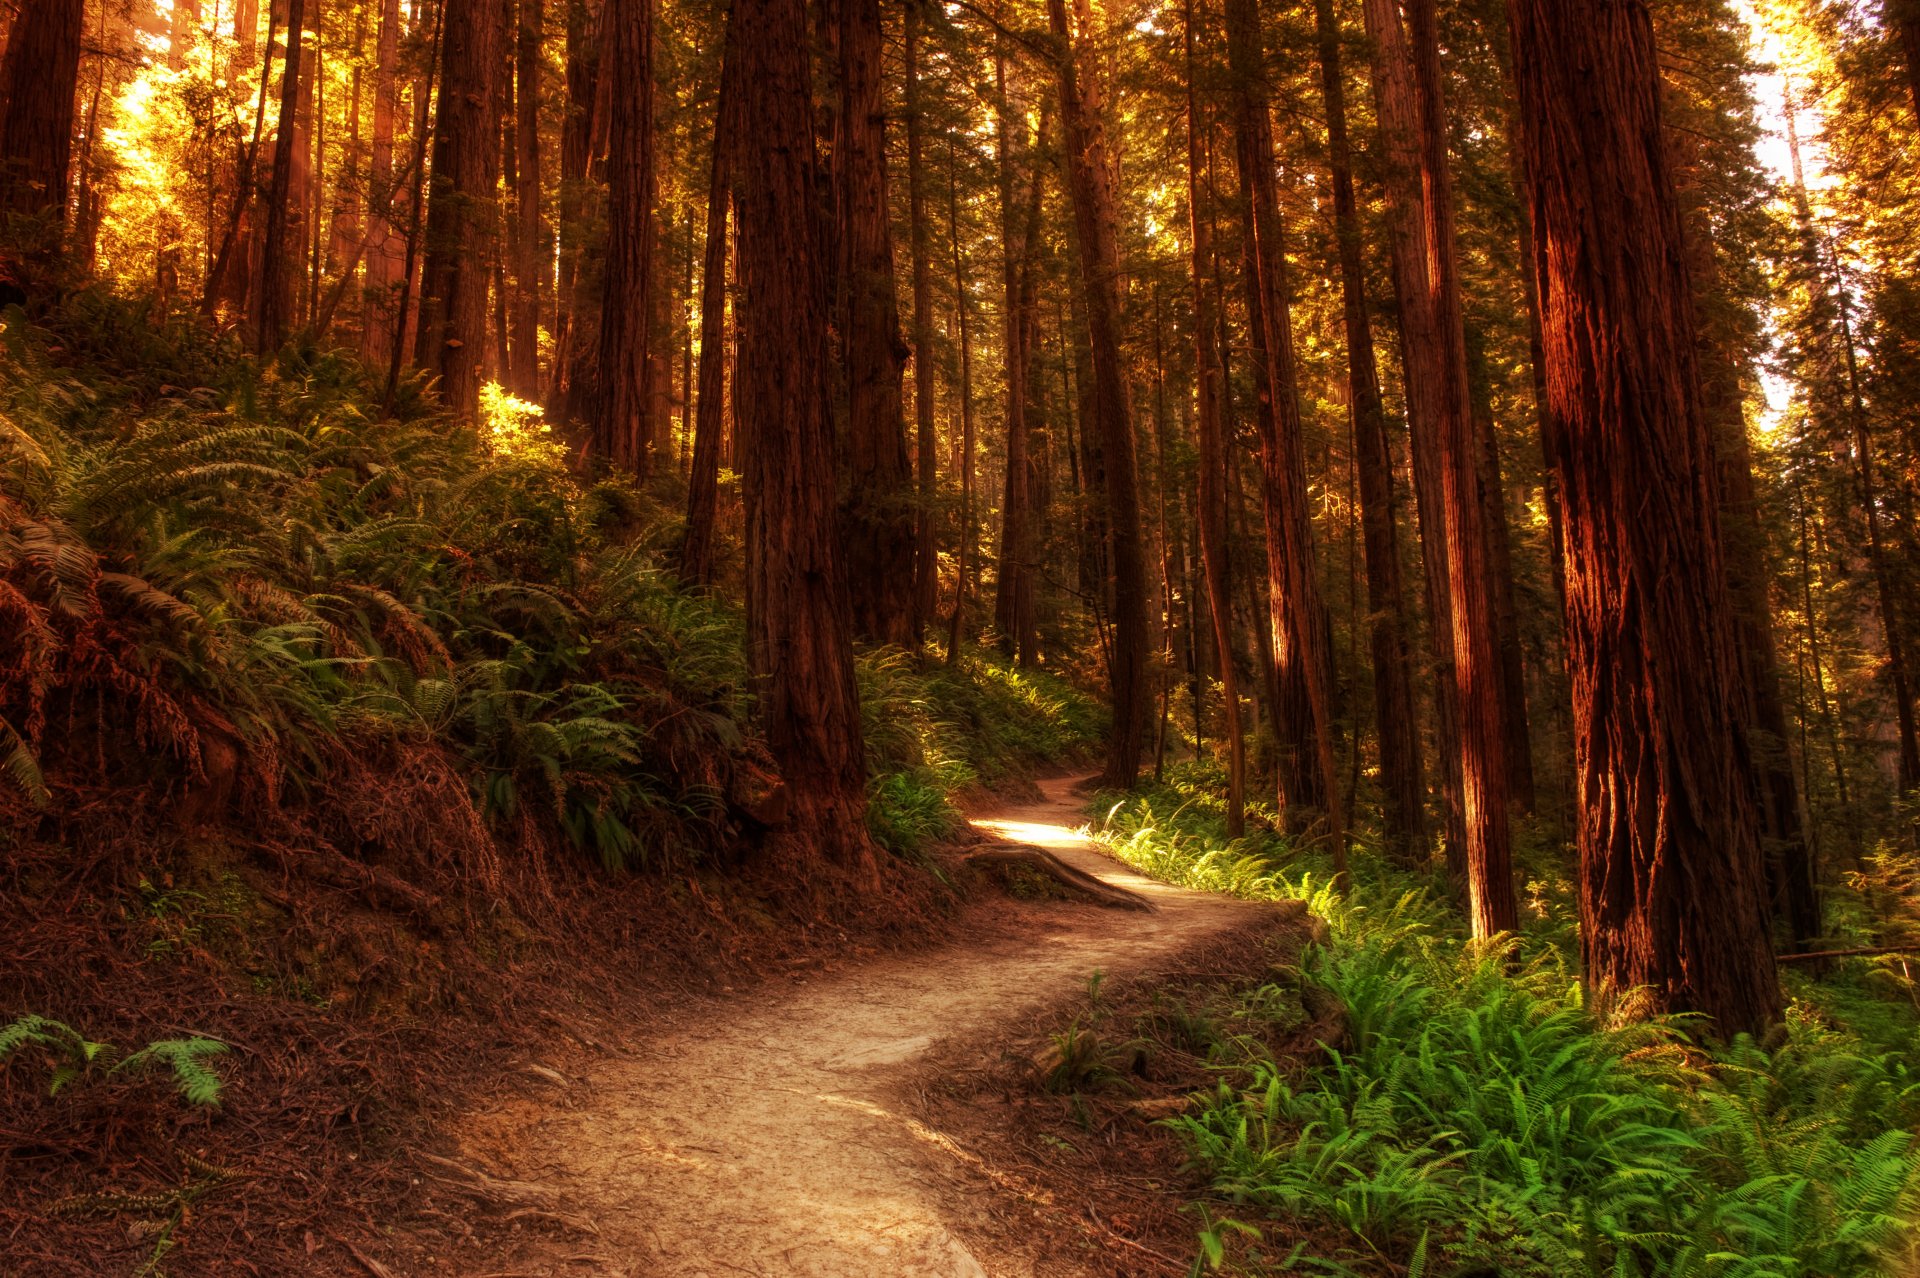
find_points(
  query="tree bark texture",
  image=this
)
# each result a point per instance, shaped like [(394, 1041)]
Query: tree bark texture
[(800, 646), (703, 482), (878, 506), (1396, 721), (38, 77), (623, 412), (926, 548), (1207, 382), (274, 307), (1302, 655), (1090, 184), (452, 335), (1671, 884)]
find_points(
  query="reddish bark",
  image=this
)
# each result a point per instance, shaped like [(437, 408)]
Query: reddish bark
[(703, 483), (385, 249), (1303, 660), (1670, 866), (878, 510), (525, 321), (38, 78), (1090, 183), (274, 308), (1207, 379), (452, 335), (799, 644), (622, 420), (926, 557), (1397, 727)]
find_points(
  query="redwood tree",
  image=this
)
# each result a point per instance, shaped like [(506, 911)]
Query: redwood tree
[(1671, 894), (1090, 186), (37, 82), (272, 308), (1207, 383), (1304, 664), (703, 480), (799, 644), (1396, 725), (452, 336), (622, 418), (878, 511)]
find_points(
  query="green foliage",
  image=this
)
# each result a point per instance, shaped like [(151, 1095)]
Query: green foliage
[(1474, 1112), (203, 558), (932, 732), (74, 1057)]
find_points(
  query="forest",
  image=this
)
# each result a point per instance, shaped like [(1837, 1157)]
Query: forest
[(960, 637)]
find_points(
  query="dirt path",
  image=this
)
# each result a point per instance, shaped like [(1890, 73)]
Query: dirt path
[(771, 1139)]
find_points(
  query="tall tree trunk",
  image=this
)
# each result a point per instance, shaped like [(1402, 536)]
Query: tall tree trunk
[(525, 336), (877, 515), (1476, 669), (1304, 663), (38, 78), (1090, 183), (580, 137), (1671, 891), (963, 545), (274, 307), (799, 644), (621, 420), (1791, 877), (703, 482), (452, 335), (1013, 602), (1213, 462), (384, 250), (1516, 732), (1399, 116), (1403, 816), (926, 560)]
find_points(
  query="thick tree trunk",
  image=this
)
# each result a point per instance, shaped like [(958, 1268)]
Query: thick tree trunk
[(1207, 382), (452, 335), (926, 547), (877, 513), (38, 78), (1672, 897), (622, 411), (525, 321), (384, 249), (1090, 183), (799, 644), (274, 307), (1903, 17), (703, 482), (1403, 816), (1304, 662)]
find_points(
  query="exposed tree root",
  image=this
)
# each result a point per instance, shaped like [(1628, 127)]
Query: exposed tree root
[(1025, 856)]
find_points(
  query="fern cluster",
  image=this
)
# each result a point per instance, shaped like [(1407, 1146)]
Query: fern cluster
[(215, 573), (1477, 1113)]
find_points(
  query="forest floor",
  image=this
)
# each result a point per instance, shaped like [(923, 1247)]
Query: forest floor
[(797, 1127)]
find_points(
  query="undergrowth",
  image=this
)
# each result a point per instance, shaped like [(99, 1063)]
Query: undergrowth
[(1475, 1114), (241, 585)]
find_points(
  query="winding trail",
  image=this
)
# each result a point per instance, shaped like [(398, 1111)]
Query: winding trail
[(771, 1138)]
